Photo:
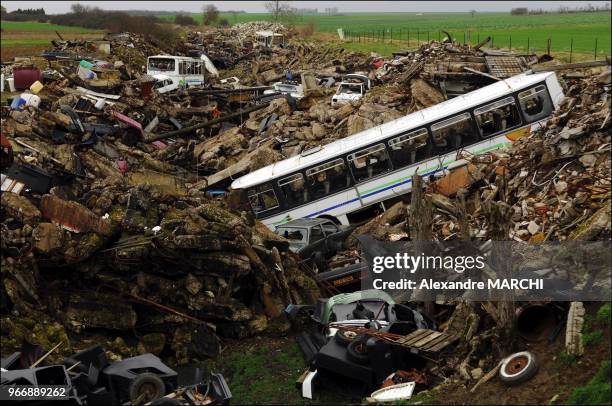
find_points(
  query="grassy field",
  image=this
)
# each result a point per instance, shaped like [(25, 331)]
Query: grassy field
[(580, 28), (30, 38)]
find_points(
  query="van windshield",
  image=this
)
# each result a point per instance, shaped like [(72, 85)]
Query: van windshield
[(161, 64)]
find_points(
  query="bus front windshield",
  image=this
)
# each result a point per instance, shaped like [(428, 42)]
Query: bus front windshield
[(161, 64)]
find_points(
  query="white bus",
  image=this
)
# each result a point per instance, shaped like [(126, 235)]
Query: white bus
[(377, 164), (177, 69)]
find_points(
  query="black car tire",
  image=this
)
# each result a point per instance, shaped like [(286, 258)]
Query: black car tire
[(345, 337), (518, 368), (148, 382), (356, 351)]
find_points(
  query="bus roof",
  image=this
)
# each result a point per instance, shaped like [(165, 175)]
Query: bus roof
[(175, 57), (391, 128)]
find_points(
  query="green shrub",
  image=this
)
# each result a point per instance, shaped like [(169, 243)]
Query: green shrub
[(597, 392), (592, 338), (604, 313)]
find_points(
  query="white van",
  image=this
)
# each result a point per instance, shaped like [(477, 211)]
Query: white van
[(179, 69)]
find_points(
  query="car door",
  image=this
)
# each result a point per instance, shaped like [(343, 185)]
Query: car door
[(333, 238), (316, 241)]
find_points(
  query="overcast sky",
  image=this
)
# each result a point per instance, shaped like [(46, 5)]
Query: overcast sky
[(55, 7)]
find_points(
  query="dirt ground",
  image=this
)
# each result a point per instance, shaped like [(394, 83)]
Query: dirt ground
[(28, 43), (256, 361), (556, 377)]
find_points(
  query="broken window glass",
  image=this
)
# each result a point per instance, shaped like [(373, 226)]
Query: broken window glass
[(535, 103), (294, 190), (293, 234), (370, 162), (262, 198), (331, 177), (453, 133), (497, 116), (161, 64), (409, 148)]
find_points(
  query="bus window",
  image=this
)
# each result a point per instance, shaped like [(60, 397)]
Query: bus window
[(262, 198), (161, 64), (497, 116), (453, 133), (370, 162), (535, 103), (328, 178), (182, 68), (293, 190), (409, 148)]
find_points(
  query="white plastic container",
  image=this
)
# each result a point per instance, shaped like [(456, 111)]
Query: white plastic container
[(11, 84), (30, 99)]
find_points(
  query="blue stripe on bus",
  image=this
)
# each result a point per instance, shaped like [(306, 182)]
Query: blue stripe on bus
[(372, 194)]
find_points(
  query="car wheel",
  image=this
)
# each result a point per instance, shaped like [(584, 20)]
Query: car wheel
[(518, 368), (357, 351), (345, 337), (146, 387)]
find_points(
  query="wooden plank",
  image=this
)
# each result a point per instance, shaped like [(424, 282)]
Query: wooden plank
[(443, 344), (435, 342), (415, 336), (577, 65), (427, 339)]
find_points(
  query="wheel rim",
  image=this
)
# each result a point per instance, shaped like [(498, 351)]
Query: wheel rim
[(350, 335), (516, 365), (149, 390)]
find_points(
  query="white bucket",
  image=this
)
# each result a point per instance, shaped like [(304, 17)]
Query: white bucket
[(30, 99), (11, 84)]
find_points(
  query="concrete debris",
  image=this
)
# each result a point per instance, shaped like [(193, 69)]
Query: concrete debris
[(115, 212)]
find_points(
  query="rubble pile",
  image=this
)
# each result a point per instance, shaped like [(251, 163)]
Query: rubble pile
[(108, 224), (106, 234)]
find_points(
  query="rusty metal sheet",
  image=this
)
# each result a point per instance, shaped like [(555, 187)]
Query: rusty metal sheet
[(73, 216)]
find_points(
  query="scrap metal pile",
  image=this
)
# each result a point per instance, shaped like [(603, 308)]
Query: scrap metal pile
[(109, 228), (109, 238)]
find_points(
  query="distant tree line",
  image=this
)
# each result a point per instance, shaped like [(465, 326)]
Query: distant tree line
[(26, 14), (116, 21), (588, 8)]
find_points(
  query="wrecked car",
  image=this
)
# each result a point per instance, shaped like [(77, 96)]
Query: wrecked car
[(349, 336), (314, 239), (286, 88), (164, 84), (352, 88), (91, 379)]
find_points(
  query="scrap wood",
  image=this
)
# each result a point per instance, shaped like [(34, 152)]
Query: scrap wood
[(166, 309), (487, 377), (41, 359)]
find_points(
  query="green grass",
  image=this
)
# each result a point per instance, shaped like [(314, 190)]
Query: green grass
[(36, 26), (263, 375), (598, 391), (566, 360), (603, 314), (582, 28), (24, 42)]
